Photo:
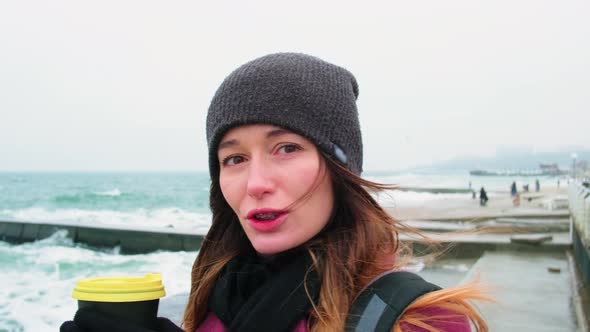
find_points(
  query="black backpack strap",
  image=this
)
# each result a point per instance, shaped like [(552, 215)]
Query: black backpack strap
[(379, 306)]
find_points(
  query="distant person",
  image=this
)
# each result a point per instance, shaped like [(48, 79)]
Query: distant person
[(469, 184), (537, 185), (558, 183), (516, 200), (473, 194), (513, 190), (483, 197), (525, 188)]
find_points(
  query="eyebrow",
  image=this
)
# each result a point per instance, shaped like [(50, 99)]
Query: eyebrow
[(270, 134)]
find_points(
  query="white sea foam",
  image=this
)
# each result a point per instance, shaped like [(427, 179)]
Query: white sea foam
[(414, 267), (423, 180), (456, 267), (113, 193), (45, 272), (165, 217), (411, 198)]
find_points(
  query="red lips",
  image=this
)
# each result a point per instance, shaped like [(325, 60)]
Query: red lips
[(264, 214), (266, 220)]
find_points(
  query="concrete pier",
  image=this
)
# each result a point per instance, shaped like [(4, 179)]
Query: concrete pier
[(128, 239), (532, 291)]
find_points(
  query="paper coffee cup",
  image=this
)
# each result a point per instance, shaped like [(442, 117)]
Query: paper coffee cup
[(131, 299)]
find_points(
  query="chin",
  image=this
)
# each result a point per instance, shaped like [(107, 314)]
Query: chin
[(269, 249), (266, 251)]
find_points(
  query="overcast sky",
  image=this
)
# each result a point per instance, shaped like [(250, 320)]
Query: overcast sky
[(125, 85)]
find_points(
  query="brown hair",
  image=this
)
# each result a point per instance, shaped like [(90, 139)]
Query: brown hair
[(347, 255)]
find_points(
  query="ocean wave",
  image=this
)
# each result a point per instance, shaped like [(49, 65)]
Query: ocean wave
[(39, 277), (112, 193), (120, 200), (89, 197), (171, 217)]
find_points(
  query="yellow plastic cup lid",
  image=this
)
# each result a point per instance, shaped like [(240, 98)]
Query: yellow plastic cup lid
[(120, 289)]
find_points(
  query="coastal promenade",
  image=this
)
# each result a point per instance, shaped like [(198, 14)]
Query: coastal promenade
[(531, 291), (540, 282), (524, 253)]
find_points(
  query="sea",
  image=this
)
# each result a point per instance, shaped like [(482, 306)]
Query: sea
[(36, 279)]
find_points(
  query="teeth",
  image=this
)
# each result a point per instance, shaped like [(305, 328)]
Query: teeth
[(266, 216)]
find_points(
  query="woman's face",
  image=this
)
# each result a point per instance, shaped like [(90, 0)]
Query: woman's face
[(263, 170)]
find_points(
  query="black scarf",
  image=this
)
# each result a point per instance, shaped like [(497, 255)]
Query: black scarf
[(253, 294)]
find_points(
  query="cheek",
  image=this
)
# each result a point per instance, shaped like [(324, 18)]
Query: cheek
[(229, 191), (325, 199), (306, 177), (321, 202)]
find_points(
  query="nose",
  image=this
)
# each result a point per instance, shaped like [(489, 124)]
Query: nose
[(260, 182)]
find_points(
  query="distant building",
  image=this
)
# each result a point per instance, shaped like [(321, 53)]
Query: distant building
[(582, 168), (550, 169), (583, 165), (544, 169)]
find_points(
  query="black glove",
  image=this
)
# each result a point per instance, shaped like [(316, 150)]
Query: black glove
[(88, 320)]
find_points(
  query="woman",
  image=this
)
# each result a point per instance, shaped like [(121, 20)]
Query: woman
[(296, 236), (296, 239)]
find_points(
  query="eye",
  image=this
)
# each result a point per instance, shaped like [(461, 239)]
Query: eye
[(232, 160), (289, 148)]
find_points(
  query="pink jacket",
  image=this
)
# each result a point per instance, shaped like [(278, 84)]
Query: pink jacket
[(213, 324)]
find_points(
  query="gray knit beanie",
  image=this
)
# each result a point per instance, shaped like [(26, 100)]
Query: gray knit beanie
[(297, 92)]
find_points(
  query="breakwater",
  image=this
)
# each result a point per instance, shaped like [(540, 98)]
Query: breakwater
[(437, 190), (128, 239), (134, 239)]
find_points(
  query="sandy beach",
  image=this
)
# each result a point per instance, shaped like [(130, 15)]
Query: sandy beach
[(499, 205)]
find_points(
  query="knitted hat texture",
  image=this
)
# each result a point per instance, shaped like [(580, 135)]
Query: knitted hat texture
[(297, 92)]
